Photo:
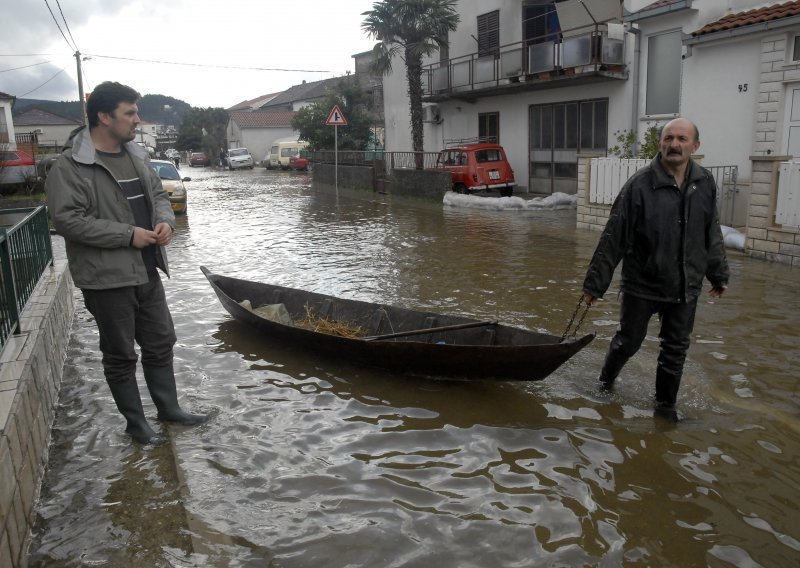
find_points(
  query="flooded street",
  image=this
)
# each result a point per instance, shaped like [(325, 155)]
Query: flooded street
[(310, 462)]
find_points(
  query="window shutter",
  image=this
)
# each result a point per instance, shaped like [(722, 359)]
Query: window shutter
[(488, 33)]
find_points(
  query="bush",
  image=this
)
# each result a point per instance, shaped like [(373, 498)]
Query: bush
[(626, 140)]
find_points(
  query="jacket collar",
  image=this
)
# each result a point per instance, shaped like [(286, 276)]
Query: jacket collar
[(84, 152), (662, 178)]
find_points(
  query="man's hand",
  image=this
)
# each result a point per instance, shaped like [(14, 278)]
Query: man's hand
[(143, 237), (717, 291), (588, 299), (163, 233)]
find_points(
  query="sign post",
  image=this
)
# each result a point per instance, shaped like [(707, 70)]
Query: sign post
[(336, 119)]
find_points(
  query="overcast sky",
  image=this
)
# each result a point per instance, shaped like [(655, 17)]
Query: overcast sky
[(302, 35)]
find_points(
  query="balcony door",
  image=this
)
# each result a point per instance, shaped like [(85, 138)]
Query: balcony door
[(558, 132)]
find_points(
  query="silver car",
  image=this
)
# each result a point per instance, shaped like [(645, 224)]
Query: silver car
[(239, 158)]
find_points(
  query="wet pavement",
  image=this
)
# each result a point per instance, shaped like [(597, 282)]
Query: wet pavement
[(312, 462)]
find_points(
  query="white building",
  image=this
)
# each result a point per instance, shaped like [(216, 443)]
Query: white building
[(551, 80), (7, 139)]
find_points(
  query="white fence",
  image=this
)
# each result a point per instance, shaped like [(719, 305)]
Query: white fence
[(608, 175), (787, 208)]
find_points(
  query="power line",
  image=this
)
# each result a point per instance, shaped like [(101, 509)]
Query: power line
[(24, 66), (58, 26), (42, 85), (75, 43), (206, 65)]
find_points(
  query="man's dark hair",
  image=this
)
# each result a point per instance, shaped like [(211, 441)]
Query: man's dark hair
[(106, 97)]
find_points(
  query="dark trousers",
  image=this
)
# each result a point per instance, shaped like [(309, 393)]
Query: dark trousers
[(128, 314), (677, 322)]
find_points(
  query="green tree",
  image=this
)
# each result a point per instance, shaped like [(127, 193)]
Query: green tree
[(411, 29), (353, 102), (204, 129)]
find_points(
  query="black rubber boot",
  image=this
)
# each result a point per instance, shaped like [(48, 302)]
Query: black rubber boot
[(161, 384), (611, 368), (667, 385), (129, 404)]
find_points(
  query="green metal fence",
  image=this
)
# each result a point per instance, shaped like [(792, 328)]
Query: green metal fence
[(25, 253)]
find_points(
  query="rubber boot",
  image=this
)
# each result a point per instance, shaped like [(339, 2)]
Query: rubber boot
[(611, 368), (129, 404), (161, 384), (667, 385)]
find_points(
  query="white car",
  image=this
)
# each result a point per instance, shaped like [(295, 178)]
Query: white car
[(239, 158)]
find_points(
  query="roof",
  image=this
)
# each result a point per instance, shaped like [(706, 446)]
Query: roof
[(262, 119), (35, 116), (750, 17), (303, 92), (253, 103)]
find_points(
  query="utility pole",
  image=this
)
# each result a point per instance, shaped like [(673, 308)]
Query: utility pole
[(80, 88)]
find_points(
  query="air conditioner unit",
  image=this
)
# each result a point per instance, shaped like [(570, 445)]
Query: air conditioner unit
[(432, 114)]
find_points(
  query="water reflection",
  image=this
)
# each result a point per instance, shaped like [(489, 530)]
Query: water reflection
[(313, 462)]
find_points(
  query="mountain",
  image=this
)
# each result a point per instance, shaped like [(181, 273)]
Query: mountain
[(158, 109)]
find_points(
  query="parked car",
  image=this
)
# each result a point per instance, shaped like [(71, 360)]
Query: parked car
[(478, 166), (298, 163), (199, 159), (16, 166), (173, 184), (239, 158), (172, 153)]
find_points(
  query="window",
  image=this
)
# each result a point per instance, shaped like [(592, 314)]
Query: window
[(489, 127), (796, 50), (540, 22), (488, 33), (482, 156), (663, 74)]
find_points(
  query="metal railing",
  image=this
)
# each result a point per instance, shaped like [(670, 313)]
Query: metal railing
[(25, 252), (726, 178), (587, 49), (381, 160)]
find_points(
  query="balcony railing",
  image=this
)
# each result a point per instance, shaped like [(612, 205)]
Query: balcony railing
[(572, 53), (25, 252)]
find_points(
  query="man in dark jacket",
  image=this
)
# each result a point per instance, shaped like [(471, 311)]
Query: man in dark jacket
[(116, 219), (665, 229)]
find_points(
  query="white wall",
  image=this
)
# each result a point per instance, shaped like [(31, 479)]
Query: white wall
[(258, 140), (5, 108), (719, 93)]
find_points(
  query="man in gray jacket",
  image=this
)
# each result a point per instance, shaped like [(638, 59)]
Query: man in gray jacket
[(664, 228), (116, 219)]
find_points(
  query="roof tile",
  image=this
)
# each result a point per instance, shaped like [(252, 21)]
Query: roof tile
[(755, 16), (263, 119)]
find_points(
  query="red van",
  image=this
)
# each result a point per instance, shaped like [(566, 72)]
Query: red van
[(476, 167)]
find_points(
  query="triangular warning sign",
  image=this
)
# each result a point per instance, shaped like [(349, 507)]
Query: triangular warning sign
[(336, 118)]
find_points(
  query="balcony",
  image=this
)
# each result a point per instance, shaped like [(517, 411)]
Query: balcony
[(559, 60)]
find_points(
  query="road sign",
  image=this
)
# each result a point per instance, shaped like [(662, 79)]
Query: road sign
[(336, 118)]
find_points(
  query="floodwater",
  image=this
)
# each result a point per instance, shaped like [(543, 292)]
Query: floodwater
[(310, 462)]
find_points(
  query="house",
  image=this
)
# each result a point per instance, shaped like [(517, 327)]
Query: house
[(546, 80), (257, 129), (554, 81), (257, 123), (52, 129)]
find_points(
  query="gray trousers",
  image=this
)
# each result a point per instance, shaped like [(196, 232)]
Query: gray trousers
[(132, 314)]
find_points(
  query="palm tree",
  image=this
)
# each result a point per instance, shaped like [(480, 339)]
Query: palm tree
[(412, 29)]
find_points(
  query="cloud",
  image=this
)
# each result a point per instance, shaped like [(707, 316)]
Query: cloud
[(268, 39)]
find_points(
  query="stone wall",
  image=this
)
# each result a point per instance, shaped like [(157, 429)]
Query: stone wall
[(423, 184), (765, 239), (589, 215), (31, 365), (349, 177)]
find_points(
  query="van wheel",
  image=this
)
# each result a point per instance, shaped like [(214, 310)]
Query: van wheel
[(460, 188)]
